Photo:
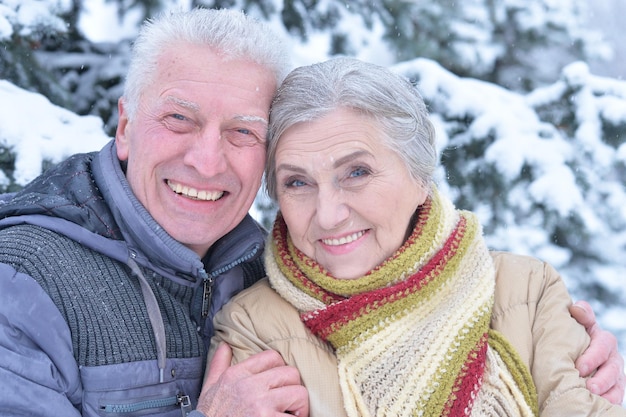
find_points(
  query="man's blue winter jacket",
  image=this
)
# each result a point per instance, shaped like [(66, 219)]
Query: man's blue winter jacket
[(102, 313)]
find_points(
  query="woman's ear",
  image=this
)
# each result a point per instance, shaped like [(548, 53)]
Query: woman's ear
[(424, 193)]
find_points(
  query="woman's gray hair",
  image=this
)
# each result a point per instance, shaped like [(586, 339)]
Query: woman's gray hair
[(230, 33), (311, 92)]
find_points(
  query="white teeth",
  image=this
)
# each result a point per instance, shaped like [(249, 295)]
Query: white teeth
[(195, 194), (343, 240)]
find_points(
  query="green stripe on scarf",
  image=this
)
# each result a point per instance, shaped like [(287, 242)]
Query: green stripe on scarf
[(516, 366)]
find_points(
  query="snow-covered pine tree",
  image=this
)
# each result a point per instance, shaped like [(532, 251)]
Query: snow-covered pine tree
[(506, 42), (545, 171)]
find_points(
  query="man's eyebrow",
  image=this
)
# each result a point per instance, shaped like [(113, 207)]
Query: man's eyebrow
[(196, 108), (184, 103), (252, 119)]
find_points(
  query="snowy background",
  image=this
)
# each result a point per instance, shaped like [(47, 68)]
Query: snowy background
[(541, 160)]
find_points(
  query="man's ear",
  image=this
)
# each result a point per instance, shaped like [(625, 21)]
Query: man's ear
[(121, 138)]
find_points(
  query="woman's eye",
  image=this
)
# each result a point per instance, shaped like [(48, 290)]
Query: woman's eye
[(294, 183), (359, 172)]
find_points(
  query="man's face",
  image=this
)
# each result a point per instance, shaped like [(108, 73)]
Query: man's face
[(196, 147)]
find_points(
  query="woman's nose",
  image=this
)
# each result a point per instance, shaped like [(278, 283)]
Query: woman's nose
[(332, 209)]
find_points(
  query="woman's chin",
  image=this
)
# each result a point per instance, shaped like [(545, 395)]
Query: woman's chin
[(348, 273)]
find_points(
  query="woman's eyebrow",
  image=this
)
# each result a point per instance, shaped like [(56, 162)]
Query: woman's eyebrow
[(290, 167), (337, 163), (350, 157)]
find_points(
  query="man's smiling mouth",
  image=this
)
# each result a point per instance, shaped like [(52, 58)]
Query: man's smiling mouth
[(194, 194)]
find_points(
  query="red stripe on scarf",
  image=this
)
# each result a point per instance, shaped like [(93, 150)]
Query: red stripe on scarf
[(468, 382), (325, 322)]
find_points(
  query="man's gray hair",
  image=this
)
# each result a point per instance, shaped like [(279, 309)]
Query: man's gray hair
[(311, 92), (232, 34)]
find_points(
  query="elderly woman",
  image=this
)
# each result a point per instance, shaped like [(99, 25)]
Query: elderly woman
[(380, 291)]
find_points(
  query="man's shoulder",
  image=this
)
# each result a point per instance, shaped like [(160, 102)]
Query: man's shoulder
[(26, 238), (47, 255), (67, 191), (35, 236)]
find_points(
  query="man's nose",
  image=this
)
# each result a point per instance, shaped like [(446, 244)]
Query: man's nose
[(208, 153)]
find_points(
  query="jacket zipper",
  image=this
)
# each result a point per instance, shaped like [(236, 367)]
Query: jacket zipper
[(209, 279), (207, 292), (179, 400)]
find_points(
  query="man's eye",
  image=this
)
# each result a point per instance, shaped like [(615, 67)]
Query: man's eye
[(178, 123), (242, 137)]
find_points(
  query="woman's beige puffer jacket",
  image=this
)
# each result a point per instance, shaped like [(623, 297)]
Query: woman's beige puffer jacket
[(531, 310)]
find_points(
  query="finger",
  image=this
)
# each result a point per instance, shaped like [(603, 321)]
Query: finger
[(262, 361), (219, 364), (602, 347), (604, 379), (283, 401), (615, 395), (280, 376), (609, 381), (292, 399), (583, 314)]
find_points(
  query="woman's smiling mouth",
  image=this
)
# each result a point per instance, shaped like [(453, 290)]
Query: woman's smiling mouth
[(343, 240)]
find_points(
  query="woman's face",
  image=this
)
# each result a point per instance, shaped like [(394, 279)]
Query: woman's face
[(347, 199)]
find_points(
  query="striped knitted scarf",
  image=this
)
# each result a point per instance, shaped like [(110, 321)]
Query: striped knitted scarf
[(412, 336)]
